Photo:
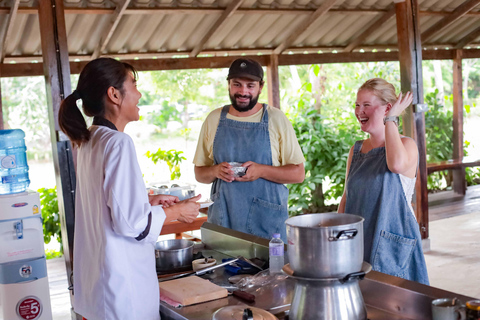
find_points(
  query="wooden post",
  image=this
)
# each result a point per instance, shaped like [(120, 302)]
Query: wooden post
[(273, 82), (57, 80), (410, 56), (459, 182)]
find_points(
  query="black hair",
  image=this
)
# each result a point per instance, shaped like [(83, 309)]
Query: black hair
[(96, 77)]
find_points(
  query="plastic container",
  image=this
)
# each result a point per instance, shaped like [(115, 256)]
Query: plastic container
[(181, 190), (276, 258), (13, 162)]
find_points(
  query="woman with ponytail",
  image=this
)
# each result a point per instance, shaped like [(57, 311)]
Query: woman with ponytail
[(116, 222)]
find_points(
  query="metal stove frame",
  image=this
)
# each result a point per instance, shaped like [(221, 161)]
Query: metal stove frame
[(385, 296)]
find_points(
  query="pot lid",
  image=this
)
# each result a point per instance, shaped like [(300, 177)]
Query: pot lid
[(236, 313)]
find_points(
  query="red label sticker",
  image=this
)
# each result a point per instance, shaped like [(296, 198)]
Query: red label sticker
[(20, 204), (29, 308)]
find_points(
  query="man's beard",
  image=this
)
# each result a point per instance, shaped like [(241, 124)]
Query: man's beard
[(243, 107)]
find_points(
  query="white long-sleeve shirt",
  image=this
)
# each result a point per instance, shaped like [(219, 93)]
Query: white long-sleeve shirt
[(114, 274)]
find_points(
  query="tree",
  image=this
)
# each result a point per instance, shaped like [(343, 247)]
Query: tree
[(25, 107)]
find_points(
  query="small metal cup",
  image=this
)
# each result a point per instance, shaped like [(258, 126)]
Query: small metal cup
[(448, 309)]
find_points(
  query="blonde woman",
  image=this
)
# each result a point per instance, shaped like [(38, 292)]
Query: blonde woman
[(380, 181)]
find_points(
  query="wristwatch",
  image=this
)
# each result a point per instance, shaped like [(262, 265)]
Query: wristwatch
[(392, 118)]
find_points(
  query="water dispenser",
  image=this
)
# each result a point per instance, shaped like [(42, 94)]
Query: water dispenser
[(24, 290)]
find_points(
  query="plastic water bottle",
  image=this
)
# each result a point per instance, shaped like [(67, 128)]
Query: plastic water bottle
[(13, 162), (276, 254)]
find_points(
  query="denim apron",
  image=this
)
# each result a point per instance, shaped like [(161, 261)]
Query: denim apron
[(257, 207), (392, 237)]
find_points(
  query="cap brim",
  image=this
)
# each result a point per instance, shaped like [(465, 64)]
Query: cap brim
[(244, 75)]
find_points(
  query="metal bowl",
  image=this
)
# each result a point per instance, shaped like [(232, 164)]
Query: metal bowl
[(174, 254)]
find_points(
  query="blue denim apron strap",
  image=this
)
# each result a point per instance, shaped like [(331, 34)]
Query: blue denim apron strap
[(257, 207), (391, 233)]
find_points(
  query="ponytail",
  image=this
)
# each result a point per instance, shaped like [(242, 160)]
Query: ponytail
[(71, 120)]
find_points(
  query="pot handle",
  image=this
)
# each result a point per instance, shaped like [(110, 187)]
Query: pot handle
[(355, 275), (344, 235)]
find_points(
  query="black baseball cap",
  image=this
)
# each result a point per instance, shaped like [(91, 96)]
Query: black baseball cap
[(245, 68)]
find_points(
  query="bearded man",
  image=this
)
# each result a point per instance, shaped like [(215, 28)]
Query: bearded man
[(263, 140)]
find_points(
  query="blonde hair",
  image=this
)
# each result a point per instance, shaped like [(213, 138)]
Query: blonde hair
[(382, 89)]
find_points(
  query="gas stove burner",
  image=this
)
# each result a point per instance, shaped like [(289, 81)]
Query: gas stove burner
[(328, 298), (176, 270)]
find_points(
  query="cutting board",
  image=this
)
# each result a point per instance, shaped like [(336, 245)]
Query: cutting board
[(191, 290)]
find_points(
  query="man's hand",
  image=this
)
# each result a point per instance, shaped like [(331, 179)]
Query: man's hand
[(254, 171), (164, 200), (224, 172)]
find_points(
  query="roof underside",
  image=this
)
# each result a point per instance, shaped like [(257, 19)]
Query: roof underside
[(190, 28)]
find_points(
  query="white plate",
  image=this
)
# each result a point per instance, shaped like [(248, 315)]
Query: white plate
[(205, 204)]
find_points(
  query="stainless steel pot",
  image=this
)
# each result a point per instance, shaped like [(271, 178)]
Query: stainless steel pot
[(173, 255), (325, 245)]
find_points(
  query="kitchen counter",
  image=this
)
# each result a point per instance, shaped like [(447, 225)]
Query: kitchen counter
[(386, 297)]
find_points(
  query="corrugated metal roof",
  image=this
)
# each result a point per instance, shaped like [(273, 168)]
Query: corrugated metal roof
[(149, 27)]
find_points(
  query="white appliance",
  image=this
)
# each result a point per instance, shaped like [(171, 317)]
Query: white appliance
[(24, 291)]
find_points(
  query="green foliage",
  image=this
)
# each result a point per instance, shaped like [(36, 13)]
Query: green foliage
[(24, 106), (325, 146), (50, 215), (161, 116), (172, 158), (472, 175), (52, 254), (439, 138)]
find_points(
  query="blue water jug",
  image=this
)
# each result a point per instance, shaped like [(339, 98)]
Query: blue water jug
[(13, 162)]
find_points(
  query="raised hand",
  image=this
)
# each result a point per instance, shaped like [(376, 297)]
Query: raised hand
[(401, 104)]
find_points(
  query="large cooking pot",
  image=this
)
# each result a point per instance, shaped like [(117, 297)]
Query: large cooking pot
[(325, 245), (172, 255)]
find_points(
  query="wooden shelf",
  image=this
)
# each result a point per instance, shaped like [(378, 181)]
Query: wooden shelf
[(178, 227)]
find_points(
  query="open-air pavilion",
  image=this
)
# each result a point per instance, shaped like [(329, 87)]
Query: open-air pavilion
[(56, 38)]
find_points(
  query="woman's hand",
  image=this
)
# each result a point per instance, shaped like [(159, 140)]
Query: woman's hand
[(401, 104), (184, 211), (164, 200)]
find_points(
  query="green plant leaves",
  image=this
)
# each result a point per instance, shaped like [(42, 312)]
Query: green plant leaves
[(50, 215), (172, 158)]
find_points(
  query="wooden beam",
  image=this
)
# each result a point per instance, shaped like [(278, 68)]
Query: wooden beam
[(304, 25), (36, 69), (459, 12), (468, 39), (213, 10), (273, 82), (232, 7), (374, 26), (459, 182), (12, 15), (410, 57), (112, 25), (53, 36)]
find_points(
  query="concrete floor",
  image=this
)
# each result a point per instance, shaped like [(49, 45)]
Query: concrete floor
[(453, 262), (454, 257)]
